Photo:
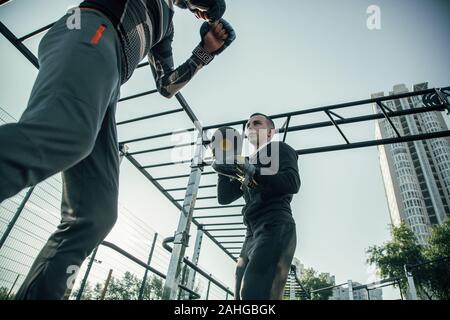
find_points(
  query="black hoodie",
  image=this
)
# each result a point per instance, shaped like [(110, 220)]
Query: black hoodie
[(271, 199)]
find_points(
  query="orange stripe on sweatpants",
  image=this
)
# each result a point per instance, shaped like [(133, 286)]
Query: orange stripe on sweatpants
[(98, 34)]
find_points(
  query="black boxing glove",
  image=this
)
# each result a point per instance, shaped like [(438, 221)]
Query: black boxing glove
[(214, 8), (204, 29)]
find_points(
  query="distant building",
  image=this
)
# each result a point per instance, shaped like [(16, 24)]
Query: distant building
[(416, 174), (342, 293)]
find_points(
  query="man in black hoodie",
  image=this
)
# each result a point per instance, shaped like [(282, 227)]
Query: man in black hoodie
[(267, 180)]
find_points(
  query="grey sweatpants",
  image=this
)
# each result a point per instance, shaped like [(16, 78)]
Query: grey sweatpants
[(69, 126)]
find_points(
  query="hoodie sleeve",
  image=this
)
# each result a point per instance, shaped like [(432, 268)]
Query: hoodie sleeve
[(169, 80), (287, 179), (228, 190)]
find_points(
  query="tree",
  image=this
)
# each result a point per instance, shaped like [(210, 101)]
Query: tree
[(89, 293), (125, 288), (432, 280), (403, 249), (129, 286), (4, 294), (312, 281), (438, 280)]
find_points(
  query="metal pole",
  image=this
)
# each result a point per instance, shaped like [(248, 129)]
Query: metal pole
[(368, 293), (144, 280), (16, 216), (209, 286), (400, 289), (350, 290), (12, 287), (195, 258), (411, 286), (181, 238), (86, 274), (105, 288)]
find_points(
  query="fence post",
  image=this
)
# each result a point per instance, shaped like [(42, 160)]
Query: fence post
[(209, 286), (12, 287), (86, 274), (144, 280), (16, 216), (105, 288)]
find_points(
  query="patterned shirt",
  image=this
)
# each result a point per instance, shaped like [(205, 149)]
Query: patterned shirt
[(145, 28)]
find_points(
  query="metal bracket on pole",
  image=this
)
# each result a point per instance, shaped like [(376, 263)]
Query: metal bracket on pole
[(182, 234), (123, 151), (383, 110), (337, 126), (443, 96)]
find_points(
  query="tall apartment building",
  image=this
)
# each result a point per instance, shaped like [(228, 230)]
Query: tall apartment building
[(416, 174)]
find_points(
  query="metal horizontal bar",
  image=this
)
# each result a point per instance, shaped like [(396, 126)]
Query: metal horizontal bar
[(213, 239), (218, 216), (200, 187), (196, 267), (334, 107), (163, 148), (383, 281), (371, 143), (226, 124), (172, 177), (160, 135), (3, 2), (369, 117), (225, 242), (138, 95), (155, 183), (222, 224), (220, 207), (132, 258), (143, 64), (181, 176), (233, 248), (208, 186), (155, 115), (19, 45), (21, 39), (229, 236), (199, 198), (225, 229), (165, 164), (412, 266), (330, 287)]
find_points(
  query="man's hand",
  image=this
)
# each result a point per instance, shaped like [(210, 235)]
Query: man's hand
[(240, 169), (217, 36), (214, 39)]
